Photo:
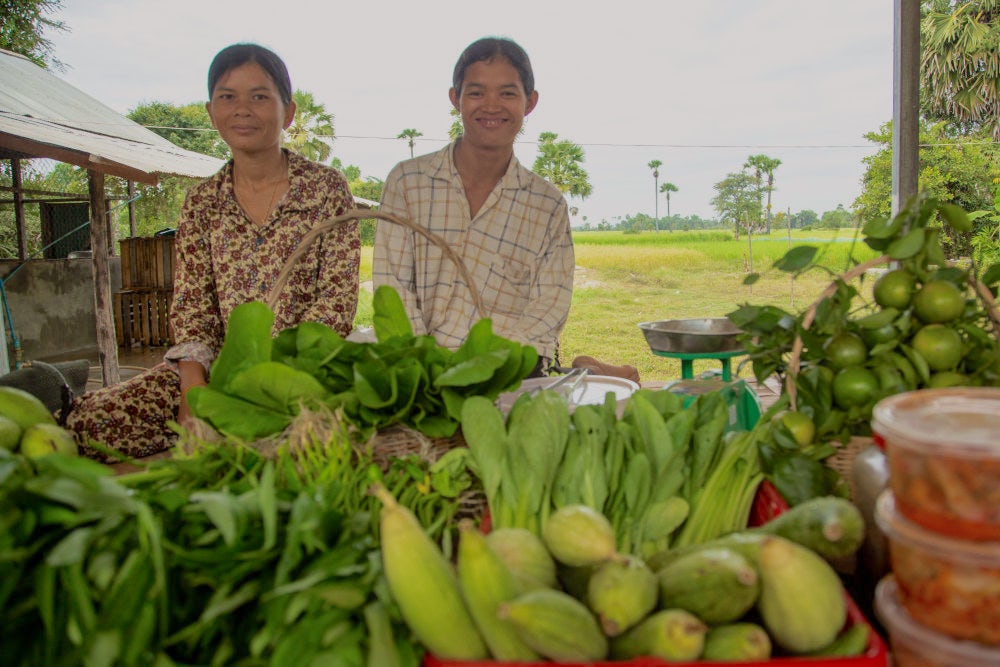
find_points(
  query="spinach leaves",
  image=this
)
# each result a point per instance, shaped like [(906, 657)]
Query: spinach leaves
[(259, 383)]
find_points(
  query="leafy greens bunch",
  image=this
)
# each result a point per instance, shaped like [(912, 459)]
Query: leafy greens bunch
[(664, 474), (258, 384), (222, 556)]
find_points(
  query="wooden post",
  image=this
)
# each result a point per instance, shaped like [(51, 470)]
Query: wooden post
[(905, 101), (131, 208), (107, 346), (22, 238)]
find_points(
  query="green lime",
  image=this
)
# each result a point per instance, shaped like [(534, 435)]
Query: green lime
[(845, 349), (800, 425), (939, 301), (939, 345), (854, 386), (894, 289)]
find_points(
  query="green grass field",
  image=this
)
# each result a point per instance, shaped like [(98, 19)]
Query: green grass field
[(624, 279)]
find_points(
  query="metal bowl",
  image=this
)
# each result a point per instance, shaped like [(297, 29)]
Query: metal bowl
[(692, 336)]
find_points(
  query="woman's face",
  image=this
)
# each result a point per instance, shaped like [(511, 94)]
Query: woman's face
[(493, 103), (247, 110)]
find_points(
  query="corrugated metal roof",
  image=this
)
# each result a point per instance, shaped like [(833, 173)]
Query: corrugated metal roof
[(43, 116)]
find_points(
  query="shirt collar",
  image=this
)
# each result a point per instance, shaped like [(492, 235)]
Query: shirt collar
[(442, 166)]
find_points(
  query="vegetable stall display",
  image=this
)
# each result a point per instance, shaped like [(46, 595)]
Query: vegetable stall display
[(275, 535)]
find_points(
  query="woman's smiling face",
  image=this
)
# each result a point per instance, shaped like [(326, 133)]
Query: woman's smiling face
[(492, 103)]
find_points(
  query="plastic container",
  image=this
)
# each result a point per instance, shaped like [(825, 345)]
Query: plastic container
[(914, 645), (949, 585), (768, 503), (943, 451)]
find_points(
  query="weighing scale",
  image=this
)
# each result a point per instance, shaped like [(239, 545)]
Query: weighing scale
[(705, 338)]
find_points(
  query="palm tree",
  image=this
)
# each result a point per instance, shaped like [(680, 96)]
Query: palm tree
[(655, 166), (667, 188), (764, 166), (960, 63), (558, 162), (411, 134), (311, 130)]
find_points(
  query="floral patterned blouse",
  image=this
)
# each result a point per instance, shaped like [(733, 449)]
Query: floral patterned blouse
[(223, 259)]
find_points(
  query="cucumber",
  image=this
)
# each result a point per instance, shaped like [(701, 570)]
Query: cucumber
[(717, 585), (828, 525)]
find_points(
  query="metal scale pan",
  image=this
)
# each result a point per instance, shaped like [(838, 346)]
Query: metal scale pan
[(697, 338)]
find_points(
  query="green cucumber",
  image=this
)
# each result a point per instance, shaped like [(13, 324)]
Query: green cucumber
[(717, 585), (831, 526)]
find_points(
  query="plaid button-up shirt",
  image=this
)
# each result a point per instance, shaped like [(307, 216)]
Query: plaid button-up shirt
[(518, 250)]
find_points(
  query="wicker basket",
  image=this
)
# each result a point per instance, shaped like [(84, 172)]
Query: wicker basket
[(843, 459), (398, 441)]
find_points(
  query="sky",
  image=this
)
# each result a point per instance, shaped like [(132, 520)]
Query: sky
[(700, 86)]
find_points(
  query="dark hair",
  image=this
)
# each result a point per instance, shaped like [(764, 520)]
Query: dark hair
[(235, 55), (488, 48)]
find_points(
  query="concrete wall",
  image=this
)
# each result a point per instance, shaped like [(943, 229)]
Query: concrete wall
[(51, 304)]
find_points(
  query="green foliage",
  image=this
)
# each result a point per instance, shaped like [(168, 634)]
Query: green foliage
[(22, 29), (187, 126), (959, 169), (738, 200), (559, 162), (311, 131)]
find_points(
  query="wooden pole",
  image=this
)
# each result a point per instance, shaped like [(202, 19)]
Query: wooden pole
[(107, 344), (131, 208), (22, 237), (905, 101)]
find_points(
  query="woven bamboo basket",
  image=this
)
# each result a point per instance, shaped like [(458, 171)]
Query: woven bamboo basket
[(397, 441), (843, 459)]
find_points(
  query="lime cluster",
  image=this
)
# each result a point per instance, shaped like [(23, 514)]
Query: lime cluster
[(921, 331)]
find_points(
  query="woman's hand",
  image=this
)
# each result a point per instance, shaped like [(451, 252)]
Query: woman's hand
[(192, 375)]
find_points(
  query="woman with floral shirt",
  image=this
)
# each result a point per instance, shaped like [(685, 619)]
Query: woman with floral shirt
[(235, 232)]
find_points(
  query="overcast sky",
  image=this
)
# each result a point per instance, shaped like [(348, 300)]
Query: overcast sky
[(699, 86)]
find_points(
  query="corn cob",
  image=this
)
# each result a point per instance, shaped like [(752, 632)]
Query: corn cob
[(556, 625), (424, 585), (486, 582)]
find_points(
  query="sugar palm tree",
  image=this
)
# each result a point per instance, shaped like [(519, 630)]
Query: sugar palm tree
[(960, 63), (655, 166), (559, 161), (311, 131), (410, 134), (667, 188), (764, 167)]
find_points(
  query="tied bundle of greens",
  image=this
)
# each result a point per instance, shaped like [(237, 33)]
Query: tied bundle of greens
[(258, 384), (664, 474)]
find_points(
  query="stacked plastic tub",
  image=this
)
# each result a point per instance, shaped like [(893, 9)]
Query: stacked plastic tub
[(941, 515)]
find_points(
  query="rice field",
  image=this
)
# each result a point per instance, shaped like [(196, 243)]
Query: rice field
[(624, 279)]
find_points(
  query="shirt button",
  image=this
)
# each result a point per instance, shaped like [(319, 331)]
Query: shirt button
[(260, 241), (263, 287)]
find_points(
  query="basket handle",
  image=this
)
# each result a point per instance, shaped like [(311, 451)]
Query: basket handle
[(809, 315), (358, 214)]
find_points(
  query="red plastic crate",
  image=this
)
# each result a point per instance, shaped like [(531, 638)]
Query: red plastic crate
[(768, 503)]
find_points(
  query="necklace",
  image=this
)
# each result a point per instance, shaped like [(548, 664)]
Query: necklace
[(248, 196)]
